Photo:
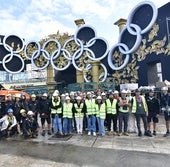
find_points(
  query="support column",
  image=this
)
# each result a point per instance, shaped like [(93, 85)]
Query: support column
[(79, 74), (50, 78), (121, 24), (95, 70)]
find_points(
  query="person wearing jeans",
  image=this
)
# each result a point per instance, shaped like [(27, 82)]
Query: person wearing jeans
[(100, 115)]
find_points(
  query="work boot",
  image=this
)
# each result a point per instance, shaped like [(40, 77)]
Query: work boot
[(139, 133), (148, 133), (43, 133), (49, 132), (166, 134), (154, 133)]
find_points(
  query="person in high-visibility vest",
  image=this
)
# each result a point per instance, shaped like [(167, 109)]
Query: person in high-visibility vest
[(100, 115), (111, 113), (67, 116), (56, 114), (90, 114), (140, 109), (78, 110), (123, 116)]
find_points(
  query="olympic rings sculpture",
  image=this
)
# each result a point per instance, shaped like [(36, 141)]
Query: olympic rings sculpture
[(61, 58), (132, 29)]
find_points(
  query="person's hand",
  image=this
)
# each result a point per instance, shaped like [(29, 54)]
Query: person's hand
[(10, 128)]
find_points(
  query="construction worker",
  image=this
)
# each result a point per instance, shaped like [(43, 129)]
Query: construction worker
[(123, 115), (100, 115), (67, 116), (56, 113), (111, 113), (79, 114), (90, 114), (153, 111), (44, 110), (140, 109)]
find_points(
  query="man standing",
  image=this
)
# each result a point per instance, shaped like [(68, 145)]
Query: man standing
[(153, 111), (140, 109), (165, 107), (44, 110)]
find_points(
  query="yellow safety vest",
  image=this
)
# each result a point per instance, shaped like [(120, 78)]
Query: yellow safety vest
[(121, 108), (134, 105), (56, 111), (111, 108), (79, 110), (90, 104), (101, 112), (67, 110)]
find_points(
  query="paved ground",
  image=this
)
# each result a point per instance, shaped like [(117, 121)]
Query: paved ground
[(88, 151)]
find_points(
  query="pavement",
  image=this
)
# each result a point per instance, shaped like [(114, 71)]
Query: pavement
[(155, 144)]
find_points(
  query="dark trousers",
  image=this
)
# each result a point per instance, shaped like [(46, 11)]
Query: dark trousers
[(144, 119), (123, 119), (109, 118)]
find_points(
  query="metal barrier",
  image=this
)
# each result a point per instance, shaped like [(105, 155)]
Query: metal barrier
[(91, 86)]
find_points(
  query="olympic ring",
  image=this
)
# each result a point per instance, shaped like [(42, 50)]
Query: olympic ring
[(104, 76), (111, 54), (14, 55), (79, 44), (17, 49), (37, 51), (54, 57), (35, 55), (133, 29), (137, 43), (130, 17)]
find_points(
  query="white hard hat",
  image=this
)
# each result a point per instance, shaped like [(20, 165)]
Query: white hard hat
[(55, 94), (67, 98), (164, 88), (18, 95), (45, 94), (123, 91), (103, 94), (99, 98), (71, 93), (115, 92), (128, 91), (78, 98), (30, 113), (63, 95), (33, 96), (88, 93)]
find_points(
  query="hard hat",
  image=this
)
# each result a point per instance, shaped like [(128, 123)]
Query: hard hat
[(30, 113), (99, 98), (66, 94), (56, 91), (88, 93), (123, 91), (22, 111), (8, 95), (18, 95), (103, 94), (71, 93), (63, 95), (67, 98), (45, 94), (115, 92), (128, 91), (10, 110), (164, 88), (78, 98), (33, 96), (55, 94)]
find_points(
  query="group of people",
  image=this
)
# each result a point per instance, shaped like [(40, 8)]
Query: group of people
[(118, 113)]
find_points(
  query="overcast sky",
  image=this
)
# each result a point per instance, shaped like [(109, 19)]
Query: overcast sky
[(35, 19)]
